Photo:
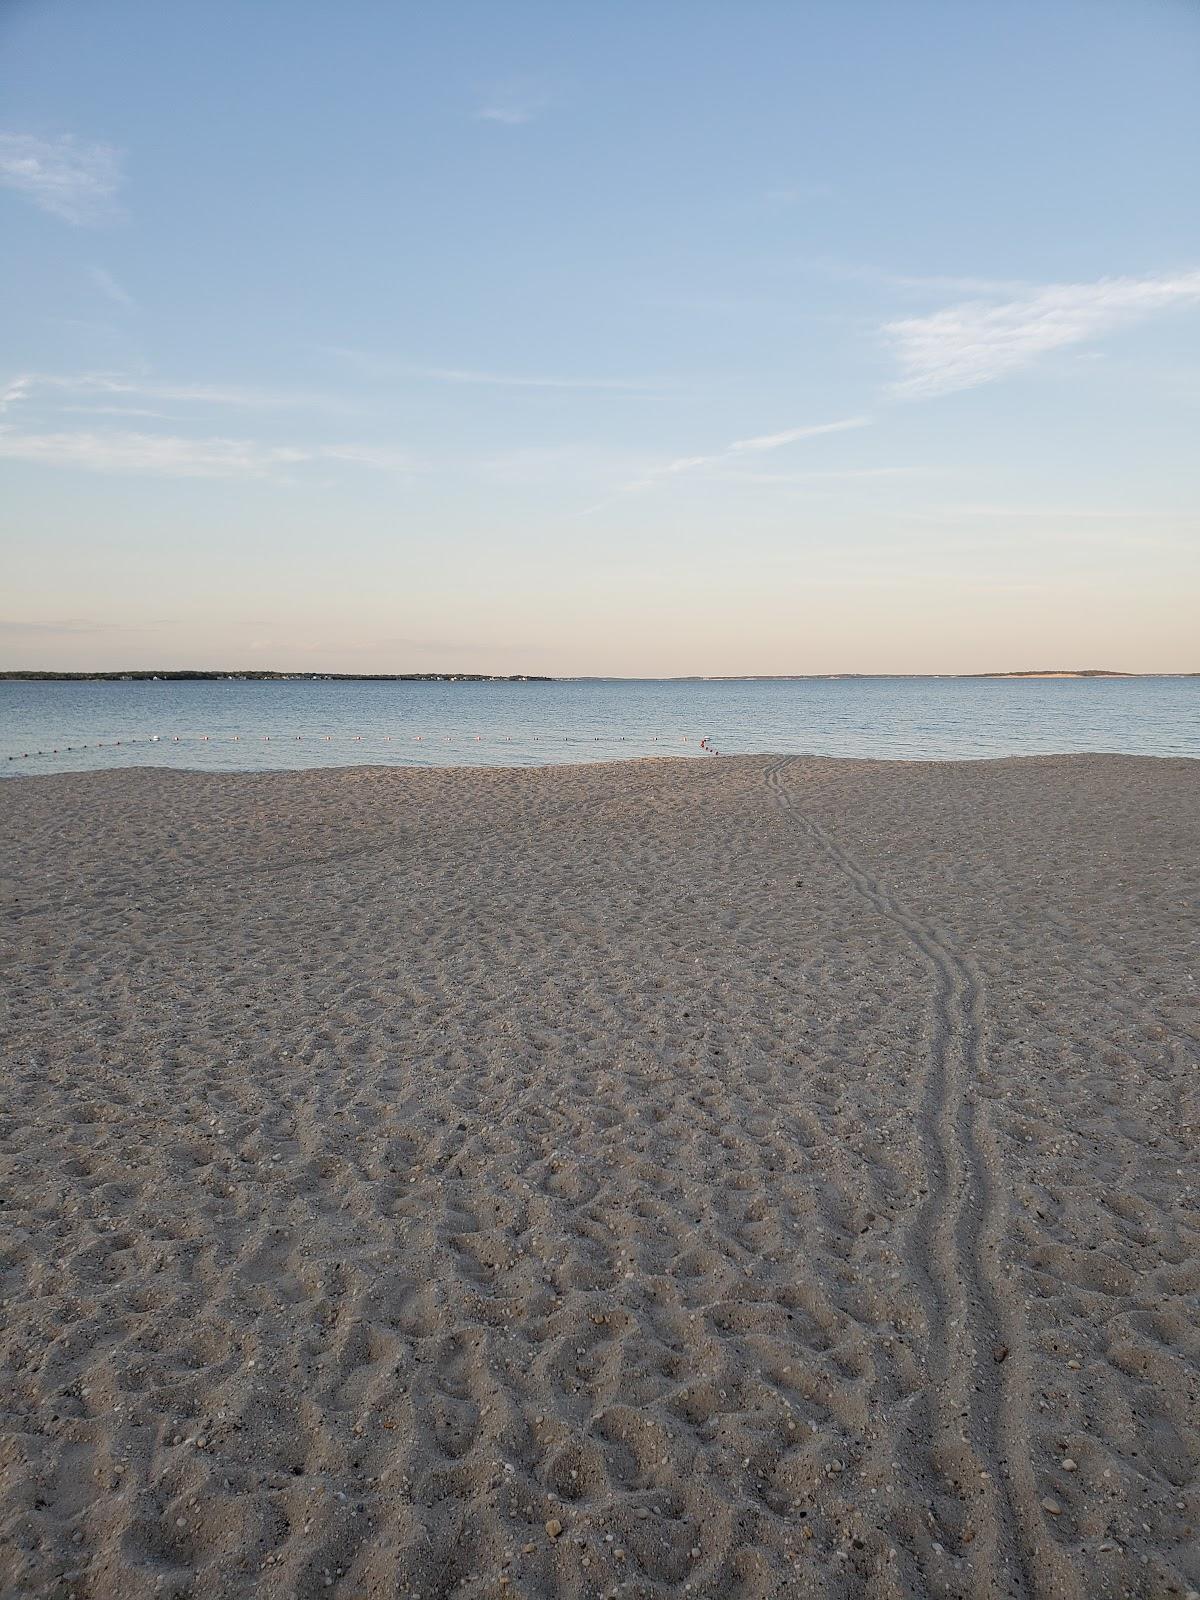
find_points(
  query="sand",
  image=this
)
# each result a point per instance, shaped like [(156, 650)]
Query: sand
[(716, 1178)]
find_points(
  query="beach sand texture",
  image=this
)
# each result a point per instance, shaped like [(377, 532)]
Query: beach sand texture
[(728, 1178)]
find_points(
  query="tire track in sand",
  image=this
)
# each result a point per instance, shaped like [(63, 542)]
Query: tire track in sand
[(974, 1394)]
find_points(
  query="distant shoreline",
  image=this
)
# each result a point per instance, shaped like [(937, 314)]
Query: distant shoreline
[(167, 675), (187, 675)]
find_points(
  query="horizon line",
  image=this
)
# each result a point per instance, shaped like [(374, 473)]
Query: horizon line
[(279, 674)]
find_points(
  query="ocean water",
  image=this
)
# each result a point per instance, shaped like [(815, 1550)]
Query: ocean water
[(239, 726)]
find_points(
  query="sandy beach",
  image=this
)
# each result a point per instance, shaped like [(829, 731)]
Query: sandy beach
[(724, 1178)]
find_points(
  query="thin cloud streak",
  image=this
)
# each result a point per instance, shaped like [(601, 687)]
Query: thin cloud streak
[(773, 441), (72, 180), (849, 475), (113, 385), (731, 452), (512, 104), (172, 456), (762, 442), (109, 287), (1048, 514), (72, 625), (508, 380), (924, 283), (977, 342), (370, 365), (510, 116)]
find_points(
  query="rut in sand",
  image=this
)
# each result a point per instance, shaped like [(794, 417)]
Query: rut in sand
[(966, 1430)]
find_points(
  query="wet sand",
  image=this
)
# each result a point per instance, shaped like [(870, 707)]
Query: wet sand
[(726, 1178)]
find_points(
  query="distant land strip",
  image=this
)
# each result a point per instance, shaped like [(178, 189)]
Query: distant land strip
[(264, 675), (870, 677), (188, 676)]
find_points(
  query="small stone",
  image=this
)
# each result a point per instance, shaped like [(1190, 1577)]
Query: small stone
[(1051, 1506), (999, 1353), (554, 1527), (1068, 1465)]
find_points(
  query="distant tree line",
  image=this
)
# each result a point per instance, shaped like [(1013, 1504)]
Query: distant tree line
[(272, 677)]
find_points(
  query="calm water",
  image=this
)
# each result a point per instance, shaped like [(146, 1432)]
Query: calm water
[(241, 726)]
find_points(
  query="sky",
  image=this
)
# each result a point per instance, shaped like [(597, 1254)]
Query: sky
[(625, 338)]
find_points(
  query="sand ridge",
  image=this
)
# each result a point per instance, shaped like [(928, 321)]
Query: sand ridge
[(734, 1178)]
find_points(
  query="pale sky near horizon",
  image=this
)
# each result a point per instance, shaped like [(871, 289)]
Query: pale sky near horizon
[(600, 338)]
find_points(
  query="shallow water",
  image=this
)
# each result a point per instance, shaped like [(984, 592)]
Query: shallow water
[(239, 726)]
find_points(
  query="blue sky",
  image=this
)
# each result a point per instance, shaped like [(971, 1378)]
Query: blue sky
[(655, 338)]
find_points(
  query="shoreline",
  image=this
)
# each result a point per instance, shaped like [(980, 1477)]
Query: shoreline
[(331, 769), (168, 675)]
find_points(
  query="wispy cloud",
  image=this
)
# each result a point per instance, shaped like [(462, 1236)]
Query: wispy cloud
[(921, 283), (516, 380), (118, 386), (172, 456), (110, 288), (737, 450), (978, 341), (383, 458), (774, 441), (512, 116), (511, 105), (850, 474), (15, 391), (941, 283), (370, 364), (761, 442), (66, 177), (119, 411), (957, 513), (20, 628)]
